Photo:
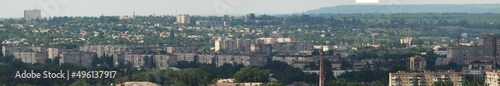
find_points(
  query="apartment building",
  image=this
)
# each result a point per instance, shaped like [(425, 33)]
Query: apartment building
[(10, 49), (299, 61), (183, 19), (30, 57), (246, 60), (487, 47), (78, 58), (492, 78), (32, 14), (425, 78), (261, 45), (416, 63), (138, 60)]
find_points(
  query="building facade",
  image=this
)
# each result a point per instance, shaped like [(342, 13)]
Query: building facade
[(183, 19), (487, 47), (492, 78), (139, 60), (425, 78), (32, 14), (417, 63), (30, 57), (82, 59)]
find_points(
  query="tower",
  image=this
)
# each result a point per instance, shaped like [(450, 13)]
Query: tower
[(321, 70)]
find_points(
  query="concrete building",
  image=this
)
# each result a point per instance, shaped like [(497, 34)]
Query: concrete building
[(32, 14), (52, 53), (299, 61), (189, 57), (425, 78), (246, 60), (10, 49), (416, 63), (165, 61), (492, 78), (183, 19), (410, 41), (138, 60), (487, 47), (489, 43), (271, 40), (261, 45), (30, 57), (205, 23), (82, 59)]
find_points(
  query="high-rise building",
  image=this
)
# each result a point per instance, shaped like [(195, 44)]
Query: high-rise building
[(32, 14), (183, 19), (487, 47), (425, 78), (489, 43), (416, 63)]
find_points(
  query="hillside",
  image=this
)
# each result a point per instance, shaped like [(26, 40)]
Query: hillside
[(430, 8)]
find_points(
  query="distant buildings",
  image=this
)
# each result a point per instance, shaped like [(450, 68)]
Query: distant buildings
[(183, 19), (81, 59), (299, 61), (262, 45), (125, 17), (410, 41), (26, 54), (219, 60), (416, 63), (213, 23), (32, 14), (425, 78), (487, 47), (139, 60), (30, 57)]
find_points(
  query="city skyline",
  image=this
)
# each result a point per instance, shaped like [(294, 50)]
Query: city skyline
[(14, 9)]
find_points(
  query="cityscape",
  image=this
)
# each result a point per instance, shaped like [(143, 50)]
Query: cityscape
[(313, 48)]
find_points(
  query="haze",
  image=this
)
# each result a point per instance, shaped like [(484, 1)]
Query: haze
[(14, 8)]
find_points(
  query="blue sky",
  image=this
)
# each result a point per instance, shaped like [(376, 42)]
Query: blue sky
[(14, 8)]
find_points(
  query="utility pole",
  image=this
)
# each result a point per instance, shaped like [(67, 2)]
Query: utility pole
[(321, 71)]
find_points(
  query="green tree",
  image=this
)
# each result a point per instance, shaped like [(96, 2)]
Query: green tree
[(80, 82), (376, 83), (251, 75)]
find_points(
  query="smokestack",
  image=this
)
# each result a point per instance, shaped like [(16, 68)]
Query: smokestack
[(321, 71)]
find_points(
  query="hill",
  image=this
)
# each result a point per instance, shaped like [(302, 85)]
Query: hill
[(429, 8)]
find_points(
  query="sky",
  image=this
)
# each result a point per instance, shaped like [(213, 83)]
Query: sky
[(15, 8)]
